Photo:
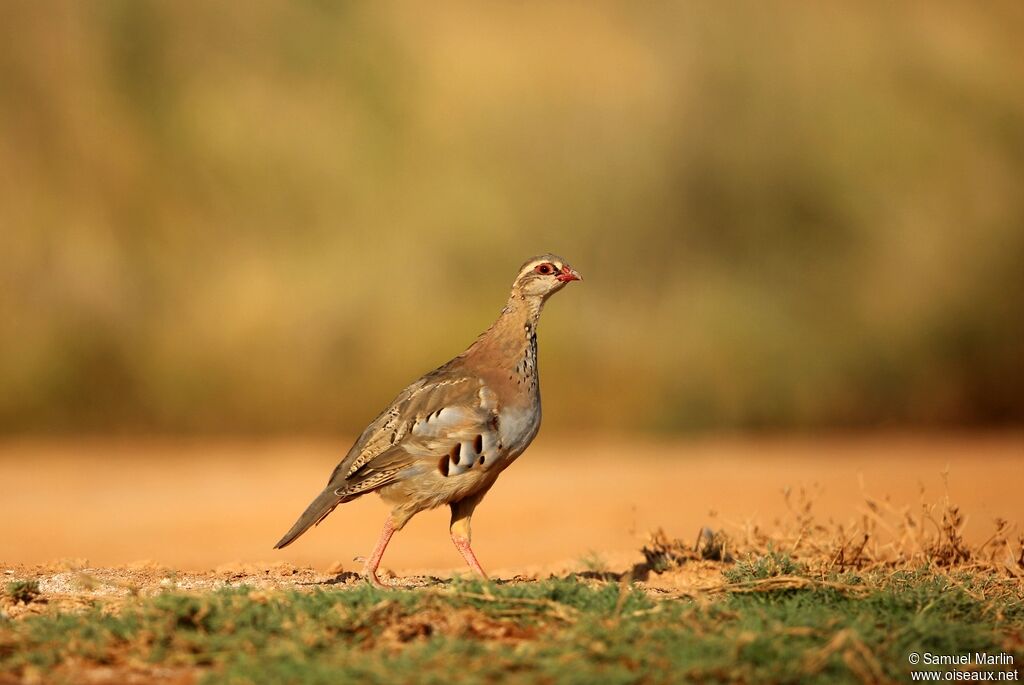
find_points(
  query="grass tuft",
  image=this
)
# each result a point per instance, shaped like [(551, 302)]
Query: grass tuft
[(769, 565), (23, 591)]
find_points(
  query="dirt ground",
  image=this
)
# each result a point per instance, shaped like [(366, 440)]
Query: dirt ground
[(165, 509)]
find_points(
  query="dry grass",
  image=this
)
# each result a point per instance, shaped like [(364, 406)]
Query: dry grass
[(810, 600), (878, 548)]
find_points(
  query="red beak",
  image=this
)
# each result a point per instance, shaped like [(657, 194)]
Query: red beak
[(568, 274)]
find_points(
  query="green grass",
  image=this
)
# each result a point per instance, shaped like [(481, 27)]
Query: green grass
[(22, 590), (564, 631), (759, 567)]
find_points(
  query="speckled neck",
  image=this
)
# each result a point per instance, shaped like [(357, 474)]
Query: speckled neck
[(511, 341)]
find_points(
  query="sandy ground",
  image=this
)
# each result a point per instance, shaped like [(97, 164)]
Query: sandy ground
[(203, 505)]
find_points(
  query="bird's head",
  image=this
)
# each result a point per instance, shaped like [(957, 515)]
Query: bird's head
[(542, 276)]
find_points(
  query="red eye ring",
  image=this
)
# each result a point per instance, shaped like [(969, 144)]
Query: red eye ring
[(545, 269)]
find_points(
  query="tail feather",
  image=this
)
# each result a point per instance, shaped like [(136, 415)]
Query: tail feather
[(316, 512)]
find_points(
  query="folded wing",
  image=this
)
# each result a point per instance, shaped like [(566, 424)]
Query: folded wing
[(445, 423)]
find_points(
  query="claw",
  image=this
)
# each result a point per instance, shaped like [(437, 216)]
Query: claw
[(372, 579)]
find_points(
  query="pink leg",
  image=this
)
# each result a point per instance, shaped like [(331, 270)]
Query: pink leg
[(462, 544), (370, 569), (462, 513)]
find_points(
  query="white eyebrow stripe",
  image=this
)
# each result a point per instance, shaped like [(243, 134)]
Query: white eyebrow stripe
[(533, 265), (528, 268)]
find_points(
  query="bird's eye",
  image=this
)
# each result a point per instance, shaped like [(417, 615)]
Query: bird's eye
[(545, 269)]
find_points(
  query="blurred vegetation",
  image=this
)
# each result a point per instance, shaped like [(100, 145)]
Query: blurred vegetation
[(847, 629), (268, 217)]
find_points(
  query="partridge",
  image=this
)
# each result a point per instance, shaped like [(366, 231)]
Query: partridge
[(447, 436)]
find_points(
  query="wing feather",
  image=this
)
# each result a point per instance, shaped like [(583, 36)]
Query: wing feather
[(439, 415), (421, 425)]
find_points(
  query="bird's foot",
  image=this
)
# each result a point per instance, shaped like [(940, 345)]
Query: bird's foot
[(369, 574), (371, 578), (462, 544)]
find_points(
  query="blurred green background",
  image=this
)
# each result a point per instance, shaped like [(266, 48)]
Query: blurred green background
[(269, 217)]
